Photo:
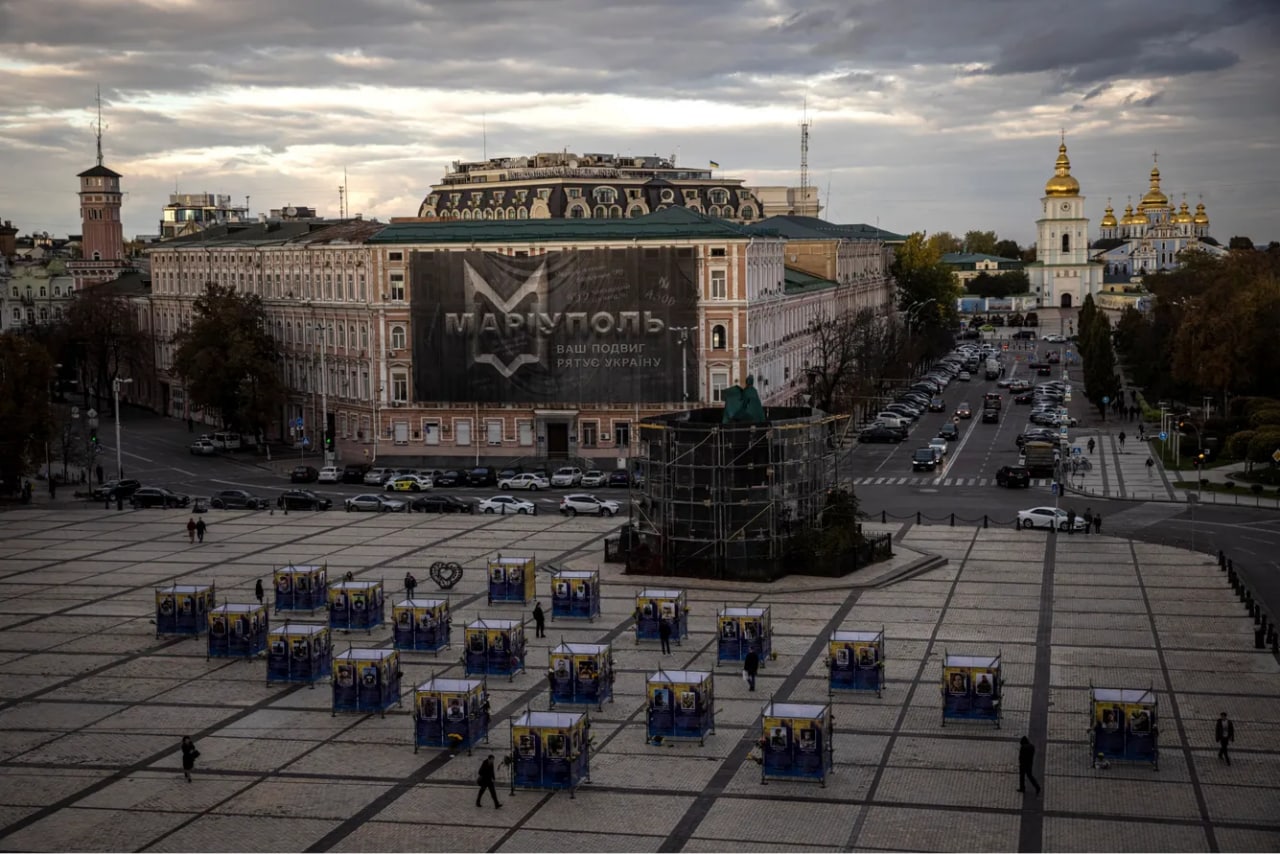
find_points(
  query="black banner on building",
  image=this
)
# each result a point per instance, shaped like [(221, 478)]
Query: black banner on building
[(594, 325)]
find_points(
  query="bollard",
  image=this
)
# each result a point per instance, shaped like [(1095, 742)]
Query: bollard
[(984, 521), (1222, 559), (1231, 567), (883, 517), (917, 517), (119, 502), (1259, 639), (953, 520), (1257, 612), (1265, 626), (1275, 643)]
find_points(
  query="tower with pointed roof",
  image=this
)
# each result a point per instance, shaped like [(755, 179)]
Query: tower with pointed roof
[(1062, 274), (102, 256)]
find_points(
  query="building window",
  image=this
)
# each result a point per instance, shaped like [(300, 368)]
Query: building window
[(602, 212), (635, 211), (668, 195), (719, 196), (590, 433), (431, 432), (622, 434), (395, 256), (718, 337), (748, 212), (397, 287), (578, 212), (574, 193), (493, 432), (719, 284), (717, 252), (524, 432), (397, 338), (1066, 243), (462, 431), (400, 388), (719, 382)]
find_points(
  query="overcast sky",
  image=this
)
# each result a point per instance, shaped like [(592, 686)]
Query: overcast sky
[(927, 114)]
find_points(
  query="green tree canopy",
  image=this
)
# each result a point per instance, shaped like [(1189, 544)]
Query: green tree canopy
[(229, 360), (1008, 249), (927, 293), (980, 242), (26, 422), (943, 242), (102, 337)]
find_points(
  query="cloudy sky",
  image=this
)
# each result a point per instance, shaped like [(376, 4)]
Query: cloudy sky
[(927, 114)]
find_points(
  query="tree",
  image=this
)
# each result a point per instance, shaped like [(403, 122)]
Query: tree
[(102, 338), (1100, 379), (943, 242), (229, 361), (26, 423), (1007, 249), (1240, 242), (980, 242), (927, 293), (851, 352)]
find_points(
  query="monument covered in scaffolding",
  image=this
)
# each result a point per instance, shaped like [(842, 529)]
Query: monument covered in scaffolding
[(724, 493)]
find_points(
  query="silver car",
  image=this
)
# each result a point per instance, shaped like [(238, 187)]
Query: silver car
[(371, 502)]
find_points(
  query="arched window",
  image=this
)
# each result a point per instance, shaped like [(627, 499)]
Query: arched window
[(397, 338), (43, 291), (601, 212), (522, 213), (748, 212), (615, 212), (636, 210), (342, 336), (499, 214), (719, 196), (511, 213), (1066, 243), (718, 337), (605, 195), (578, 212), (713, 211)]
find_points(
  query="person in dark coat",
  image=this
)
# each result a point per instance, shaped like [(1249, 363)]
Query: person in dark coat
[(191, 530), (1026, 760), (751, 666), (486, 779), (257, 590), (1071, 521), (189, 754), (201, 527), (664, 635), (410, 585), (1224, 732), (539, 621), (1097, 523)]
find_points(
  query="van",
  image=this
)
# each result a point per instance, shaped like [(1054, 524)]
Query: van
[(227, 441)]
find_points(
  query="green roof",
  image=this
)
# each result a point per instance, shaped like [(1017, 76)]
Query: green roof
[(674, 223), (798, 281), (814, 228)]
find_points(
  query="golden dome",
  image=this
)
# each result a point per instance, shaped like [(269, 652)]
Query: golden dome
[(1062, 184), (1154, 197), (1109, 217), (1201, 218), (1183, 214), (1130, 218)]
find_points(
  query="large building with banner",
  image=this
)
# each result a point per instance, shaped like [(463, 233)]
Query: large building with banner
[(444, 342)]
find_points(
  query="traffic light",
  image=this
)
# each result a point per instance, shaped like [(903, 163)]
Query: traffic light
[(93, 435), (328, 441)]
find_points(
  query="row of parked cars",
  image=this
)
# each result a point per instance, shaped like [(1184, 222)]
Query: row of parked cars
[(377, 502), (925, 395), (420, 480)]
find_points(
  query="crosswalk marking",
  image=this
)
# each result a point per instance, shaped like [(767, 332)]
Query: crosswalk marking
[(937, 481)]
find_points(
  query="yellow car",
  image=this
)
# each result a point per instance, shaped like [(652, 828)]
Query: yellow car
[(407, 483)]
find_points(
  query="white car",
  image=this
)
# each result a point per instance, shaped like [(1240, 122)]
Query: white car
[(330, 474), (595, 477), (506, 504), (526, 480), (572, 505), (203, 448), (1047, 517), (939, 448), (407, 483), (1053, 338), (567, 476)]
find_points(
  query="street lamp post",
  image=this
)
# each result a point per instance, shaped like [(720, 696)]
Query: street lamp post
[(115, 388), (683, 332), (324, 397), (377, 426)]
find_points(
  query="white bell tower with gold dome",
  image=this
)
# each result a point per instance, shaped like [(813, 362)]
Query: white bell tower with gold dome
[(1062, 274)]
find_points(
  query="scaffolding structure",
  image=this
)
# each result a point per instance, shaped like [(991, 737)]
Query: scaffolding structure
[(725, 500)]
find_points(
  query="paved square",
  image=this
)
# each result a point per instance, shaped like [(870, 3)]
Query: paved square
[(92, 705)]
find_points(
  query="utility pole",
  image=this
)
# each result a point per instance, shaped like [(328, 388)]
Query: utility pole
[(324, 397), (115, 388)]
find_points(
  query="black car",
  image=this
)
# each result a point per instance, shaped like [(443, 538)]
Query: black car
[(618, 477), (442, 504), (1044, 371), (452, 477), (937, 404), (880, 433), (355, 472), (950, 432), (1037, 435), (237, 499), (482, 476), (990, 415), (303, 499), (303, 474), (924, 459), (117, 489), (1025, 397), (1014, 477), (510, 472), (158, 496)]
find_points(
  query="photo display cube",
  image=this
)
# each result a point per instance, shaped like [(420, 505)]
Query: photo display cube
[(1124, 725), (300, 588), (182, 609), (796, 742), (355, 605), (421, 624), (653, 605), (855, 661), (512, 579), (366, 680), (550, 750), (452, 713), (494, 647), (743, 630), (575, 594), (681, 705), (297, 652), (971, 687), (237, 631), (580, 674)]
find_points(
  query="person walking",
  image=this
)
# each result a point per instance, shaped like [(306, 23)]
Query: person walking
[(664, 635), (191, 529), (1088, 520), (1151, 464), (1121, 438), (257, 591), (98, 472), (410, 585), (1071, 521), (53, 487), (189, 755), (750, 667), (486, 779), (1097, 523), (201, 527), (1224, 732), (539, 621), (1026, 761), (1091, 446)]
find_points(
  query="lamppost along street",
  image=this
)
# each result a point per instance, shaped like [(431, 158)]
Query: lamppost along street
[(115, 388), (683, 340), (324, 397), (377, 426)]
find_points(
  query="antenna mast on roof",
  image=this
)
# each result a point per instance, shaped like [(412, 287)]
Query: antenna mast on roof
[(342, 195), (98, 129), (484, 136), (804, 153)]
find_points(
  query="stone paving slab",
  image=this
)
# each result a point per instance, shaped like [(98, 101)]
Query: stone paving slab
[(90, 760)]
